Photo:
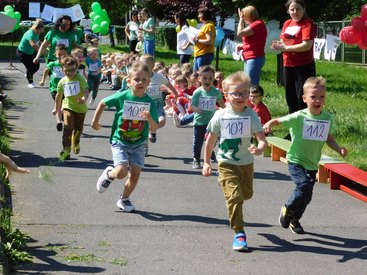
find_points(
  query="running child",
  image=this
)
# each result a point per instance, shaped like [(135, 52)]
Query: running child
[(94, 72)]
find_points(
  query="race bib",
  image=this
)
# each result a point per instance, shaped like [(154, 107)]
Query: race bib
[(132, 109), (71, 88), (63, 41), (153, 91), (57, 72), (207, 103), (236, 127), (314, 129), (93, 67)]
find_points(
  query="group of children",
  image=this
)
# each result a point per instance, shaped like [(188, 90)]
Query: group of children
[(228, 112)]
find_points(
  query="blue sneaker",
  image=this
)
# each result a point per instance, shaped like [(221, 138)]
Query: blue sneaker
[(240, 242)]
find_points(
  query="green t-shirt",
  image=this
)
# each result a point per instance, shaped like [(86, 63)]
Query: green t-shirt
[(56, 37), (133, 30), (235, 130), (73, 89), (309, 134), (79, 34), (24, 44), (56, 74), (147, 25), (207, 102), (127, 127)]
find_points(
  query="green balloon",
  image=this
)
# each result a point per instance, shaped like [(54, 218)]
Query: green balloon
[(8, 7), (17, 15), (92, 15), (97, 19), (10, 13), (104, 32), (96, 7), (104, 25), (96, 28)]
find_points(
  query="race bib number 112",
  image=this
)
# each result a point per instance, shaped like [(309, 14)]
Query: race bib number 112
[(314, 129)]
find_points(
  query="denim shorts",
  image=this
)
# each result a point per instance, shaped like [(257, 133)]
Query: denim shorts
[(123, 154), (161, 112)]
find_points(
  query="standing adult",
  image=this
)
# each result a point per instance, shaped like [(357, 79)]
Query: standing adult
[(27, 50), (184, 49), (204, 41), (253, 42), (62, 33), (296, 43), (148, 30), (131, 31)]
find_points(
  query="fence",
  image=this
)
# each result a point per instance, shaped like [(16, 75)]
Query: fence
[(345, 53)]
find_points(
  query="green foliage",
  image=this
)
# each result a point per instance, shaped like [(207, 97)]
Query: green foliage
[(166, 36), (120, 34)]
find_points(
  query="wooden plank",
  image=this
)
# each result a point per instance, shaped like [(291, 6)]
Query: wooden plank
[(348, 171), (356, 194)]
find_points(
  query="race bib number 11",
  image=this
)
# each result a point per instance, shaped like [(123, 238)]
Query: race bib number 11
[(314, 129), (232, 128), (133, 109)]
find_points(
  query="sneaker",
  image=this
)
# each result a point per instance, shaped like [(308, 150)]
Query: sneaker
[(104, 180), (196, 164), (146, 149), (59, 126), (240, 242), (176, 120), (152, 137), (285, 217), (125, 204), (91, 101), (296, 227), (76, 149), (64, 155), (31, 85)]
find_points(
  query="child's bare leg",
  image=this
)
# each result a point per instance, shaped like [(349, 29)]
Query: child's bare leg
[(132, 181)]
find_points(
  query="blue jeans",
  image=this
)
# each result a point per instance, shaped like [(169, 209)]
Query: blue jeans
[(253, 67), (93, 84), (202, 60), (199, 135), (149, 47), (302, 194), (187, 119)]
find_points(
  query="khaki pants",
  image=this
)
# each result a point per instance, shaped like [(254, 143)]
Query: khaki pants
[(237, 185), (73, 128)]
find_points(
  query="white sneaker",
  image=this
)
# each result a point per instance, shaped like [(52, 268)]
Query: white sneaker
[(176, 120), (125, 204), (31, 85), (91, 101), (104, 181)]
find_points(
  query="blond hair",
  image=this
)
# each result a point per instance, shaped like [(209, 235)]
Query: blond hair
[(250, 13), (38, 24), (314, 82), (137, 67), (237, 77)]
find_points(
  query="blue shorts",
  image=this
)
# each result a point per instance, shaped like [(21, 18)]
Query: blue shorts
[(123, 154), (161, 112)]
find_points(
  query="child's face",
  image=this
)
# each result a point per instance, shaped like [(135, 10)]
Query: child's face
[(206, 79), (70, 71), (182, 85), (93, 55), (315, 99), (255, 98), (79, 57), (60, 54), (219, 79), (139, 82), (237, 95)]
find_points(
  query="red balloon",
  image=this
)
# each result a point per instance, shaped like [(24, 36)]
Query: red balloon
[(358, 24), (362, 44), (349, 36), (364, 12)]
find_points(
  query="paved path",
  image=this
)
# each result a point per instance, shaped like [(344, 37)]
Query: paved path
[(181, 226)]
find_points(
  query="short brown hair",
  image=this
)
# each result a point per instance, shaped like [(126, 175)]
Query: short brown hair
[(138, 67), (314, 82), (69, 61), (237, 77)]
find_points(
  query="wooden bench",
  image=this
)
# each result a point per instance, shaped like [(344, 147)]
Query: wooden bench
[(348, 178)]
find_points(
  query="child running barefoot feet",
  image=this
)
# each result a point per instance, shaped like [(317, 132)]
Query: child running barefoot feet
[(129, 133)]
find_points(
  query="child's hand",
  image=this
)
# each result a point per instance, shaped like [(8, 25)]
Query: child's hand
[(255, 151), (267, 128), (95, 125), (145, 115), (81, 100), (343, 152), (207, 170), (54, 111), (41, 83)]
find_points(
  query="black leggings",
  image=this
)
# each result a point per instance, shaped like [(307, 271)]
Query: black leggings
[(27, 60)]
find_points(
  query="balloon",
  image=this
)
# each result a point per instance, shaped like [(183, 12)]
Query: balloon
[(192, 22), (178, 28), (104, 25), (96, 28), (17, 15), (103, 13), (97, 19), (92, 15), (104, 32), (362, 44), (10, 13), (96, 7), (17, 25), (364, 12), (8, 7), (219, 36), (358, 24), (349, 36)]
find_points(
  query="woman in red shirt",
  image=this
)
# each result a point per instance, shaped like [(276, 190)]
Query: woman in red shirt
[(296, 43), (253, 42)]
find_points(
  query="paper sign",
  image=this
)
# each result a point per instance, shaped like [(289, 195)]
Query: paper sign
[(317, 47), (85, 23), (47, 13), (34, 10), (314, 129), (236, 127), (77, 13), (133, 109), (71, 88), (207, 103), (7, 23), (191, 33)]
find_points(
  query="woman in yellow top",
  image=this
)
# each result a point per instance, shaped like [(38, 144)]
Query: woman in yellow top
[(204, 41)]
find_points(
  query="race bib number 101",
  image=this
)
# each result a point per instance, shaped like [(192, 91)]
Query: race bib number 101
[(314, 129), (232, 128), (133, 109)]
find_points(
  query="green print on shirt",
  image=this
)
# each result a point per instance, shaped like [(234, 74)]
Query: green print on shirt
[(230, 146)]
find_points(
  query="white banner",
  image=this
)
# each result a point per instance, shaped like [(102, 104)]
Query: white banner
[(34, 10), (7, 23), (47, 13), (332, 44), (77, 13), (50, 13), (318, 44)]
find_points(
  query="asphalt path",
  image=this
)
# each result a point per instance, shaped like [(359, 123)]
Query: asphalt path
[(181, 226)]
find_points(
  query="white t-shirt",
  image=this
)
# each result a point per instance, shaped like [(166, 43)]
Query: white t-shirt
[(182, 39), (154, 88)]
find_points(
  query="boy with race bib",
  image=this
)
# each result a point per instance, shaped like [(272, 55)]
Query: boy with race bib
[(136, 112), (235, 124), (74, 89), (94, 65), (309, 128)]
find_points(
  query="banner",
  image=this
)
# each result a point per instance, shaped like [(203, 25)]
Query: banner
[(7, 23), (50, 13), (34, 10), (332, 44), (318, 44), (47, 13)]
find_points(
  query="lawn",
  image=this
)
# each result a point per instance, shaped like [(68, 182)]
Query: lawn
[(346, 97)]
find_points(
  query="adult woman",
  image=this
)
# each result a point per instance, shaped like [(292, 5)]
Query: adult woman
[(62, 33), (204, 41), (131, 31), (296, 43), (27, 50), (148, 30), (253, 42), (184, 49)]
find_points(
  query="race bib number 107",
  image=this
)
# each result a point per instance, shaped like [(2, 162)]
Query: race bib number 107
[(133, 109), (232, 128), (314, 129)]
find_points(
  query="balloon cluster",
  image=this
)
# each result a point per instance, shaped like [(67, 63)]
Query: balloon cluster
[(357, 32), (100, 20), (9, 11)]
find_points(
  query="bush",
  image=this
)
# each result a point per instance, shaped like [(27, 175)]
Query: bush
[(120, 34), (166, 36)]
